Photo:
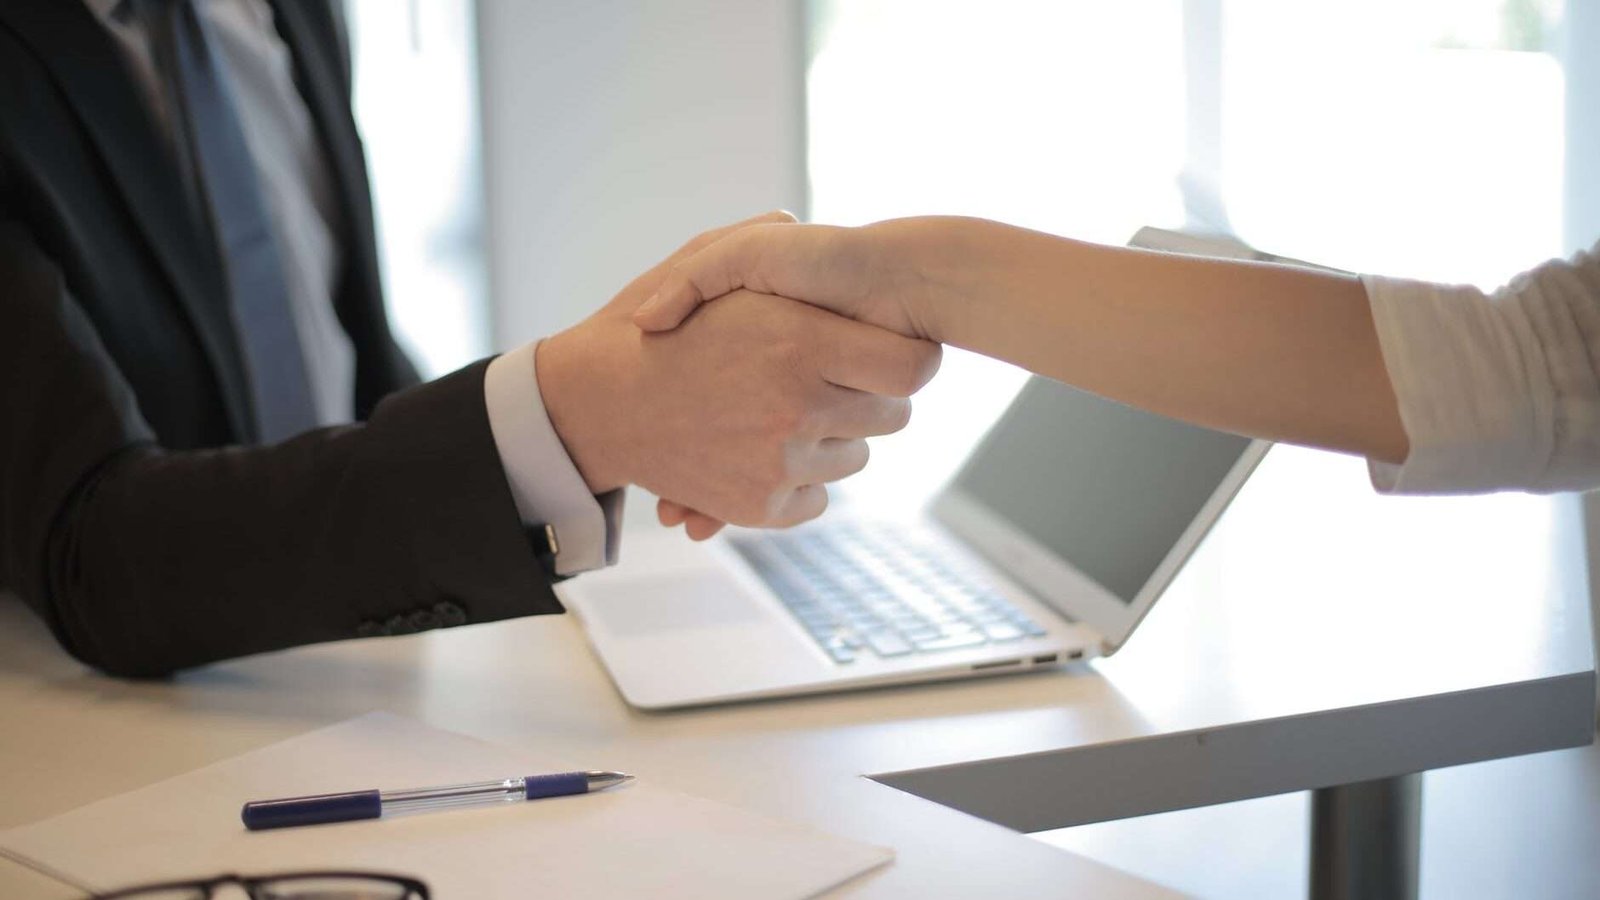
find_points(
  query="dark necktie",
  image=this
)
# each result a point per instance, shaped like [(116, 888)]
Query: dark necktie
[(231, 193)]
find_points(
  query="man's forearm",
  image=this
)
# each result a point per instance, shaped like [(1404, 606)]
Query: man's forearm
[(167, 560)]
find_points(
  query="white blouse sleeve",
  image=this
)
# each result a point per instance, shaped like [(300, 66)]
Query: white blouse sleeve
[(1497, 391)]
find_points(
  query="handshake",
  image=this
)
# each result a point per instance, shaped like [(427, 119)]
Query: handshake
[(741, 413), (742, 410)]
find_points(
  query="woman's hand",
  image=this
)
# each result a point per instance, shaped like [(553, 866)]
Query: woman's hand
[(874, 274)]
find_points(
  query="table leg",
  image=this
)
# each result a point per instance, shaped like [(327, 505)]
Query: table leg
[(1365, 839)]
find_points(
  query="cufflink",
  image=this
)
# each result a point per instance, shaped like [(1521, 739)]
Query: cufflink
[(542, 540)]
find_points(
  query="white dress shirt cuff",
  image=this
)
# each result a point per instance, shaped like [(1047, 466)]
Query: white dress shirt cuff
[(544, 481)]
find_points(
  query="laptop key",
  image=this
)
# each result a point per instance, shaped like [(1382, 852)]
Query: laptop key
[(1002, 631), (889, 609), (1029, 627), (952, 641), (887, 643), (814, 619), (842, 646)]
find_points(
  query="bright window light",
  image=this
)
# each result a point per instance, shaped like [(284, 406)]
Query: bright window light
[(416, 105), (1420, 138)]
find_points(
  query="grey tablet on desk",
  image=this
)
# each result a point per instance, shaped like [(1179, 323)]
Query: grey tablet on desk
[(1050, 544)]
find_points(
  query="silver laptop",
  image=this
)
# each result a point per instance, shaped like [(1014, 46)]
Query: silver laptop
[(1049, 545)]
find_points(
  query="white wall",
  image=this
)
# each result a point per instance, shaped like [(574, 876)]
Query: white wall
[(614, 130)]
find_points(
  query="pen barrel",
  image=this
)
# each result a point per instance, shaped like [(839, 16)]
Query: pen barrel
[(452, 796), (262, 814), (558, 785)]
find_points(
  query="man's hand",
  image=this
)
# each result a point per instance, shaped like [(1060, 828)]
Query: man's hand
[(741, 414)]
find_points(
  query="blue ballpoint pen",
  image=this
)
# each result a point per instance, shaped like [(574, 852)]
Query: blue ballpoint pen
[(353, 805)]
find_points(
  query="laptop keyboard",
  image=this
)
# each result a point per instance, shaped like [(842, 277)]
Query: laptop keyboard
[(864, 590)]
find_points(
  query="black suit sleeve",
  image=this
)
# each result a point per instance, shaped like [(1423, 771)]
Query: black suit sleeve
[(144, 561)]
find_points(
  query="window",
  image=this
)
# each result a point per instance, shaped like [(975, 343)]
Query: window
[(416, 105), (947, 107), (1419, 138)]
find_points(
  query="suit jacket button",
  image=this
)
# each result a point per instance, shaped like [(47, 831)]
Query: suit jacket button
[(398, 625)]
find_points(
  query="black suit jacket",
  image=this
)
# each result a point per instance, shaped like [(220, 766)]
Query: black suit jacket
[(136, 517)]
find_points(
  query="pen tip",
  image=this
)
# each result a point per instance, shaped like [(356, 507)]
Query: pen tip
[(599, 781)]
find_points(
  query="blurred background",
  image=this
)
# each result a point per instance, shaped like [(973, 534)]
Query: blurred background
[(530, 158)]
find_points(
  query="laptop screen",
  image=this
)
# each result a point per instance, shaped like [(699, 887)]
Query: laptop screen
[(1105, 487)]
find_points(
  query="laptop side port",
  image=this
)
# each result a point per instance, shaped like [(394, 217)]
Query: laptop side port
[(1001, 664), (1075, 654), (1044, 660)]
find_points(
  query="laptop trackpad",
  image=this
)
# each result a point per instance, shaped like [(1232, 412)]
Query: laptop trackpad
[(672, 602), (693, 635)]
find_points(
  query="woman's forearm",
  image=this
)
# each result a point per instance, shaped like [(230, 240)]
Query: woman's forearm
[(1272, 351)]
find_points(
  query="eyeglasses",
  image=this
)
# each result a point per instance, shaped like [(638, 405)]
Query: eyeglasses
[(285, 886)]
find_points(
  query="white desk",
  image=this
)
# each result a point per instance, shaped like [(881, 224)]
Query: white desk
[(1321, 637)]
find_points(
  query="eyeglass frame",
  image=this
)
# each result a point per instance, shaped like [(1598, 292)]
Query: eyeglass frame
[(250, 883)]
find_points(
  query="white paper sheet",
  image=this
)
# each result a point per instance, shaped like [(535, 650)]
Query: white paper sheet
[(637, 840)]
